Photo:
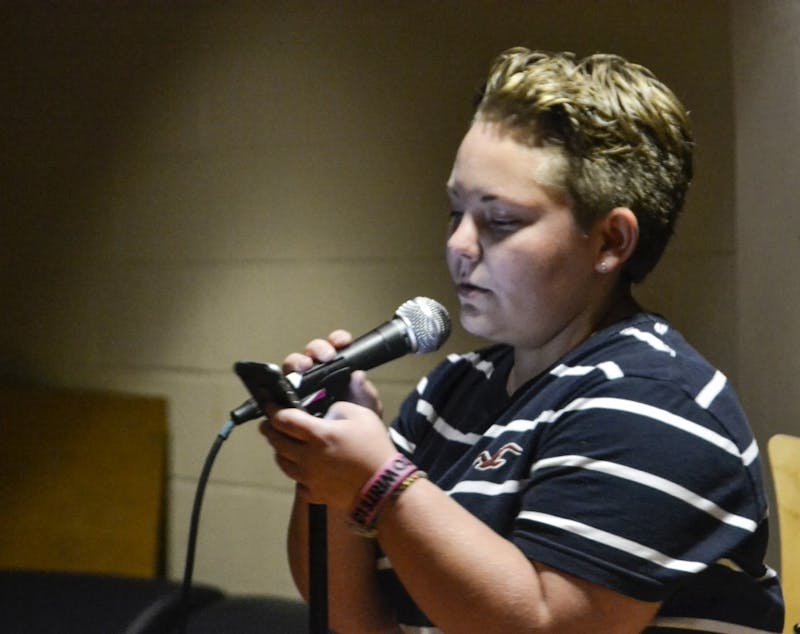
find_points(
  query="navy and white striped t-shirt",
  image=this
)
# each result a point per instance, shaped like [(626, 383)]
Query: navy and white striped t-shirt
[(629, 464)]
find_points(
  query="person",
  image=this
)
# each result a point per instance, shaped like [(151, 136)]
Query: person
[(586, 471)]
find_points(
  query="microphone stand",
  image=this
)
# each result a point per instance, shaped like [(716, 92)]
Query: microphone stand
[(318, 568), (253, 374), (419, 325), (317, 403)]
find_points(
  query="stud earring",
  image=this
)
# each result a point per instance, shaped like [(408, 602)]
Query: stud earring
[(603, 267)]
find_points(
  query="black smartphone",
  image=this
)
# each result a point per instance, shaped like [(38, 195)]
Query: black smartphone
[(267, 384)]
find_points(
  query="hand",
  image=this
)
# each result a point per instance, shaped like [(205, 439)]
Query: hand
[(330, 458), (362, 391)]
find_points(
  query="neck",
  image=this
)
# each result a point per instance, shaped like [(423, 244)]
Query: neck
[(529, 363)]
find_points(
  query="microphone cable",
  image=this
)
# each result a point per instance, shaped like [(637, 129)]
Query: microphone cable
[(420, 325), (191, 546)]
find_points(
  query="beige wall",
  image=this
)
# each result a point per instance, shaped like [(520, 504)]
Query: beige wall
[(766, 53), (767, 88), (192, 186)]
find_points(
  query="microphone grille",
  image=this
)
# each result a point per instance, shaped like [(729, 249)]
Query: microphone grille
[(428, 322)]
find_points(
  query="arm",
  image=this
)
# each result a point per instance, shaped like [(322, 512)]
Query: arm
[(354, 604), (445, 556)]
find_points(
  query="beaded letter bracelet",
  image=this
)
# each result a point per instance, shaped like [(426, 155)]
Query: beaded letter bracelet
[(386, 484)]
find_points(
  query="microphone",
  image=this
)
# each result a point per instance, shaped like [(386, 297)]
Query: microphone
[(419, 325)]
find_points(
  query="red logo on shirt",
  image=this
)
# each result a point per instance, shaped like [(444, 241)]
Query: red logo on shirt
[(487, 461)]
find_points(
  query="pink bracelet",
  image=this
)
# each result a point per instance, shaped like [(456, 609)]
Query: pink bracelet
[(378, 490)]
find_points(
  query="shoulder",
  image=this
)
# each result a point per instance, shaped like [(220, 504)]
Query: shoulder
[(638, 381), (638, 392), (647, 350)]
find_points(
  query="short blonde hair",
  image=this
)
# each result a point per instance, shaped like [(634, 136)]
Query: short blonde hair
[(625, 137)]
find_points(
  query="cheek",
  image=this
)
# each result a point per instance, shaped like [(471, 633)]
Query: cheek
[(519, 276), (526, 258), (532, 275)]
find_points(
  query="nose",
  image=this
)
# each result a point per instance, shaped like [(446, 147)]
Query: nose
[(464, 240)]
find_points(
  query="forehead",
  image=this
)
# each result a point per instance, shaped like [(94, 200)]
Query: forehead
[(492, 160)]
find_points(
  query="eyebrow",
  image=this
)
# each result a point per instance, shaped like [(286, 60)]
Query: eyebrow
[(485, 198)]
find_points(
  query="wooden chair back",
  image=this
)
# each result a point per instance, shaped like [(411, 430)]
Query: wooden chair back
[(784, 458)]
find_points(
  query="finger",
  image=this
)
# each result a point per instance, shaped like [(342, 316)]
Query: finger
[(295, 423), (288, 467), (283, 444), (342, 410), (296, 362), (320, 350), (292, 456), (294, 471), (340, 338)]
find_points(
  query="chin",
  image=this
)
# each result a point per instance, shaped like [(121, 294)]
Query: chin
[(476, 325)]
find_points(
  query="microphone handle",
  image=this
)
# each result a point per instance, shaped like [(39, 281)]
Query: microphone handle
[(385, 343)]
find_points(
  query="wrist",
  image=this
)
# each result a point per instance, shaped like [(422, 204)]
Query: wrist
[(385, 485)]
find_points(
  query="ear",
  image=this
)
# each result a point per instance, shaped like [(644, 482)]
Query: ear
[(617, 235)]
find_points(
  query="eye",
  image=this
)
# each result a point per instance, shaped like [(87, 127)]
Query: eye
[(504, 224), (455, 218)]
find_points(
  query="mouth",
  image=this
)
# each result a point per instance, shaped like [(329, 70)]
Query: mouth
[(466, 290)]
